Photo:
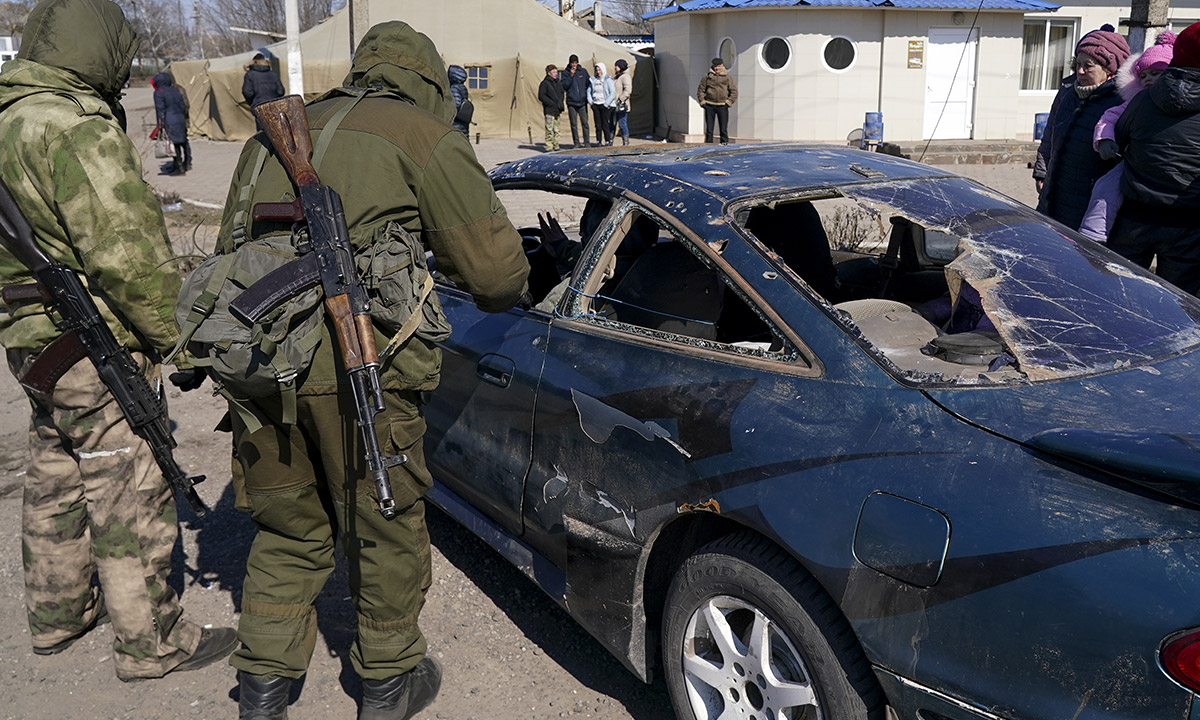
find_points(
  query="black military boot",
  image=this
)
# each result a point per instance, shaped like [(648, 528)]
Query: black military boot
[(402, 696), (263, 698)]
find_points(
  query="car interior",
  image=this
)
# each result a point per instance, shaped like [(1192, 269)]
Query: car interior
[(886, 276), (883, 275)]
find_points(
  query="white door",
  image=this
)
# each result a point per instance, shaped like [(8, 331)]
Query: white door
[(950, 83)]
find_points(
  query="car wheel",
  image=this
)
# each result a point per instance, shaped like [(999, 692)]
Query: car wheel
[(749, 634)]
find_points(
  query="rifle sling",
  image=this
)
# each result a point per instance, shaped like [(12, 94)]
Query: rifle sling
[(52, 363)]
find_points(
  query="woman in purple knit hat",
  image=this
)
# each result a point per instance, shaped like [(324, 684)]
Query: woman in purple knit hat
[(1067, 166)]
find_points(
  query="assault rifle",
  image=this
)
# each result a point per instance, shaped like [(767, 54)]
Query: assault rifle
[(85, 334), (326, 259)]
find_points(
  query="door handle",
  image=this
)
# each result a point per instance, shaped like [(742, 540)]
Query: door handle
[(496, 369)]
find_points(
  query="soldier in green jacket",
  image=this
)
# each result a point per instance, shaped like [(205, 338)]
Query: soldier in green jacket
[(95, 501), (394, 157)]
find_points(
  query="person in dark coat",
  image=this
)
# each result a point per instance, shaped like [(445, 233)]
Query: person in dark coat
[(171, 112), (575, 82), (261, 84), (1159, 135), (550, 95), (1067, 166), (458, 89)]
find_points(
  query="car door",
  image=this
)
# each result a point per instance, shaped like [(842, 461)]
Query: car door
[(648, 362), (480, 419)]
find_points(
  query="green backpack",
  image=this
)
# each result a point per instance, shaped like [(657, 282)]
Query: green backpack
[(267, 358)]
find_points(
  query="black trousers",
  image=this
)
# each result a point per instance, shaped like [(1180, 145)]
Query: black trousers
[(1142, 235), (603, 114), (719, 113), (578, 116)]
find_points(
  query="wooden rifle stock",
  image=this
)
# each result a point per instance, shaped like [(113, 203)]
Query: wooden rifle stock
[(286, 126)]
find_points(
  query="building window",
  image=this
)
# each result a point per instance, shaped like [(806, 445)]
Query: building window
[(477, 76), (1046, 53), (776, 53), (839, 54), (727, 52), (1176, 26)]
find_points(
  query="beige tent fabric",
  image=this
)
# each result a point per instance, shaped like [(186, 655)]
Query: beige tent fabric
[(513, 39)]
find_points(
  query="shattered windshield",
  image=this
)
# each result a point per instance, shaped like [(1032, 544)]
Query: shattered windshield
[(1060, 305)]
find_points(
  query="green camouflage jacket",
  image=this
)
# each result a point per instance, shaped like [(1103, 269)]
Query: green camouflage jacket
[(78, 179), (395, 156)]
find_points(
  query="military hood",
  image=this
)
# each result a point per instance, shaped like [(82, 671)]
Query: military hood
[(394, 56), (89, 38), (1177, 91), (23, 78)]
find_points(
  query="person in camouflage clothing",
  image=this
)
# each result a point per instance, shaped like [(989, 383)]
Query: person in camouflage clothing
[(95, 502), (394, 158)]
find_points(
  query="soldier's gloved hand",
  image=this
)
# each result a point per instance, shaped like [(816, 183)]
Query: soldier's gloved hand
[(1108, 149), (187, 380), (553, 236)]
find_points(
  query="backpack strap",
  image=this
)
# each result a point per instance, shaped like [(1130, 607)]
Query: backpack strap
[(202, 307), (410, 325), (241, 226)]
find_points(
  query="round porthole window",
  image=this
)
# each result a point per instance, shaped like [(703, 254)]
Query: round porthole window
[(839, 53), (776, 53), (727, 52)]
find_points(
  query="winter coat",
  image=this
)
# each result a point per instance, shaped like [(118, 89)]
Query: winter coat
[(551, 96), (1128, 85), (1159, 134), (1065, 159), (170, 108), (77, 178), (717, 88), (576, 85), (395, 157), (624, 88), (458, 90), (601, 90), (261, 85)]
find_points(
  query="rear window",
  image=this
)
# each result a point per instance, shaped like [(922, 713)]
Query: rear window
[(952, 283)]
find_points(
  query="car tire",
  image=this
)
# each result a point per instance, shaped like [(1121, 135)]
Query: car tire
[(743, 587)]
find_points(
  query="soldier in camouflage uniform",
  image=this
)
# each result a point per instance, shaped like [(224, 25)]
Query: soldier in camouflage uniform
[(95, 502), (393, 158)]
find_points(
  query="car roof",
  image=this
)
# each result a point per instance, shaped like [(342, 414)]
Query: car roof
[(729, 172)]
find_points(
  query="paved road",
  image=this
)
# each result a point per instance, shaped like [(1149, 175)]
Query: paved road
[(208, 181)]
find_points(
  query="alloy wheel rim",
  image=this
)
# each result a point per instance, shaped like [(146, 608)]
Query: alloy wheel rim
[(739, 664)]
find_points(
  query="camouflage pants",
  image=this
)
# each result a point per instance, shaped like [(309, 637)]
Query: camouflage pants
[(96, 503), (302, 484)]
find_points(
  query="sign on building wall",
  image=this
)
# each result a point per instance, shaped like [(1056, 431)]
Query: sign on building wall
[(916, 54)]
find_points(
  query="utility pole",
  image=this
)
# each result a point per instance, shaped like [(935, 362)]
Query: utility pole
[(199, 31), (1146, 15), (360, 22), (295, 59)]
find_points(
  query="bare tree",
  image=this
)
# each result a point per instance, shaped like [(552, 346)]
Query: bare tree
[(218, 16), (630, 11), (161, 27), (12, 17)]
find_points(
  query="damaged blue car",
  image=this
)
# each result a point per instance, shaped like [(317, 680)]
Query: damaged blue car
[(821, 433)]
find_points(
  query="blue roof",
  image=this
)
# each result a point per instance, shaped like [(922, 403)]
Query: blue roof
[(1022, 5)]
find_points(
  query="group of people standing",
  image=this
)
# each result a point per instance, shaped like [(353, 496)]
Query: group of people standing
[(99, 522), (574, 90), (1127, 126)]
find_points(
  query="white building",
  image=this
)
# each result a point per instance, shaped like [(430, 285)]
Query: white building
[(811, 69), (9, 47)]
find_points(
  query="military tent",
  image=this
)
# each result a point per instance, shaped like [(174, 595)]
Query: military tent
[(504, 44)]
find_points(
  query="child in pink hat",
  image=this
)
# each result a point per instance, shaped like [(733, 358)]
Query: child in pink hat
[(1136, 74)]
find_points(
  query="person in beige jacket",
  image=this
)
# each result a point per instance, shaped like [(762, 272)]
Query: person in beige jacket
[(717, 93), (624, 85)]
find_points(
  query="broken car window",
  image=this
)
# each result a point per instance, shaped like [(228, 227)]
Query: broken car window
[(953, 284)]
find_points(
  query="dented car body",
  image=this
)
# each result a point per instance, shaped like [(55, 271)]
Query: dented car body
[(967, 439)]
